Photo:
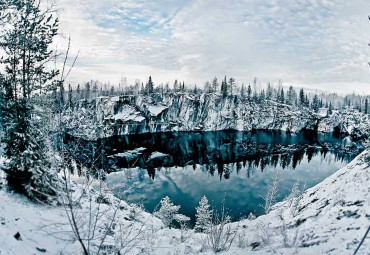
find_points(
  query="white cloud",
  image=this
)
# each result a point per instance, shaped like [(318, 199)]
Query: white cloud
[(306, 42)]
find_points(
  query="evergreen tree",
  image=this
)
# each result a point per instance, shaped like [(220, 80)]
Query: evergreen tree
[(302, 101), (78, 90), (149, 86), (330, 110), (112, 90), (255, 96), (278, 94), (25, 41), (70, 95), (61, 95), (87, 90), (231, 85), (224, 87), (366, 109), (282, 97), (242, 91), (142, 88), (291, 96), (175, 86), (249, 92), (167, 211), (215, 84), (95, 89), (307, 101), (262, 96), (315, 103), (269, 92), (203, 216)]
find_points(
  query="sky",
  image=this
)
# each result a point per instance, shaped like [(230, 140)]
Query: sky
[(318, 44)]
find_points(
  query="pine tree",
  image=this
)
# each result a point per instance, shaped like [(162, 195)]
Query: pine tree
[(167, 211), (95, 89), (249, 92), (366, 109), (255, 96), (25, 41), (70, 95), (291, 96), (302, 101), (282, 97), (149, 86), (231, 85), (203, 216), (78, 90), (315, 103), (307, 101), (330, 110), (175, 86), (242, 91), (224, 87), (215, 84), (142, 88), (278, 94), (262, 96), (269, 92), (61, 95), (87, 91)]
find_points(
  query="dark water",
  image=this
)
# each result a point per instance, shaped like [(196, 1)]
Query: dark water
[(230, 166)]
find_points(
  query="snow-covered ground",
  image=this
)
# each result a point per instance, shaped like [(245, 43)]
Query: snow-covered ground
[(330, 218)]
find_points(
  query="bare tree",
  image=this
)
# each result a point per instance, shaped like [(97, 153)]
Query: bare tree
[(270, 197), (221, 234)]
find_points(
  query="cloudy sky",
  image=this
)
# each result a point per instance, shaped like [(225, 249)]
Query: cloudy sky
[(313, 43)]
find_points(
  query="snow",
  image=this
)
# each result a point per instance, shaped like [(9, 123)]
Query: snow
[(157, 154), (323, 112), (155, 110), (131, 154), (127, 113), (332, 218), (115, 99)]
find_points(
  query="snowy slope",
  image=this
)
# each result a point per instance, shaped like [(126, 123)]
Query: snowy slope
[(332, 217), (105, 116)]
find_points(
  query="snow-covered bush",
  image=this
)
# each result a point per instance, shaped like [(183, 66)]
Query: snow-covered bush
[(295, 197), (220, 235), (184, 226), (251, 216), (203, 215)]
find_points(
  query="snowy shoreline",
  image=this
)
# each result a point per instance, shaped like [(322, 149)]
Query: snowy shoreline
[(332, 218)]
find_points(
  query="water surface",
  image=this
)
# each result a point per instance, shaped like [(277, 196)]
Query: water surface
[(226, 166)]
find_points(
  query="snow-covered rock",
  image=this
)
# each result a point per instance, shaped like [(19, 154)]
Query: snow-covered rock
[(130, 154), (159, 159), (104, 116)]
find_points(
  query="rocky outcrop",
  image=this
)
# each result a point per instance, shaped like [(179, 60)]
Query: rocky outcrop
[(108, 116)]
